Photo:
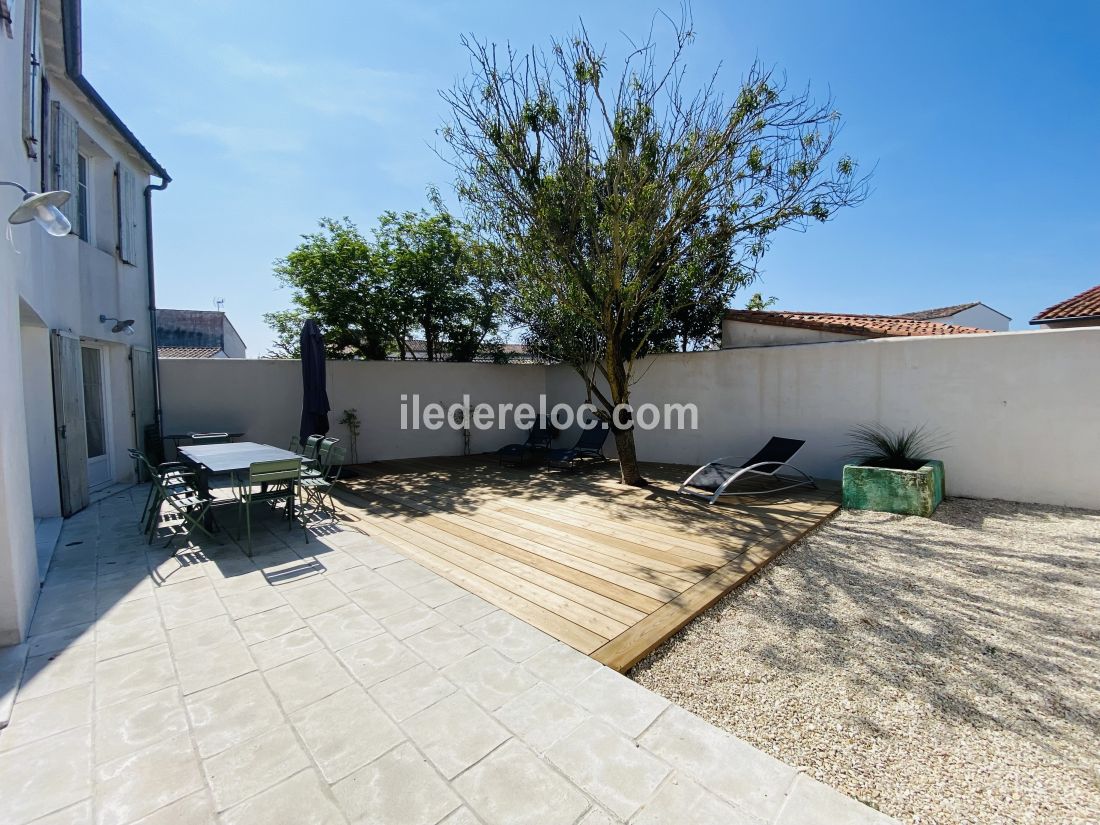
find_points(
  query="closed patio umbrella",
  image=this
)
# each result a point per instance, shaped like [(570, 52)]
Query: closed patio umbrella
[(314, 395)]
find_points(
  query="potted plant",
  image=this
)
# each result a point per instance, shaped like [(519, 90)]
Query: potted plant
[(893, 472), (351, 421)]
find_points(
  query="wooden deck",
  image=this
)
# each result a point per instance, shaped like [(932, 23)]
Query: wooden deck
[(612, 571)]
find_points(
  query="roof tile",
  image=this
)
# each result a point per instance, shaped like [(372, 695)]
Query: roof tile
[(1083, 305), (870, 326), (938, 312), (188, 352)]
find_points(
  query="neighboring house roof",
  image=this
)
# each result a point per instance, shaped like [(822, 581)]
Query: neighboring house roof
[(947, 312), (869, 326), (938, 312), (202, 328), (1080, 307), (188, 352), (70, 30)]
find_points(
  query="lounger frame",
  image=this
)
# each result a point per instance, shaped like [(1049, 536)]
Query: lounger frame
[(804, 479)]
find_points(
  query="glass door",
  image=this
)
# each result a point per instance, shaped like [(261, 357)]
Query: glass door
[(95, 416)]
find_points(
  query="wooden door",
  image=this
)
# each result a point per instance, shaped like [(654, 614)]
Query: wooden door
[(141, 385), (68, 403)]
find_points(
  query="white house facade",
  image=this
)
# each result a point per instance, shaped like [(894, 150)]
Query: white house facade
[(77, 331), (974, 314)]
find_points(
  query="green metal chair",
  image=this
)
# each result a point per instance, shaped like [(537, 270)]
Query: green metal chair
[(309, 449), (318, 463), (316, 486), (172, 473), (277, 481), (295, 445), (183, 498)]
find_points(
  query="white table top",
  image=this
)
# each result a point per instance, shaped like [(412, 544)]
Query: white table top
[(227, 458)]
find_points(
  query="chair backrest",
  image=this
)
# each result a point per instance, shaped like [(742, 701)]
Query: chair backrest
[(324, 449), (266, 472), (295, 445), (777, 450), (594, 438), (142, 462), (209, 438), (335, 459), (311, 445), (540, 435)]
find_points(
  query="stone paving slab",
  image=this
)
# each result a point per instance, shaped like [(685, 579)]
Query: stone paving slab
[(338, 683)]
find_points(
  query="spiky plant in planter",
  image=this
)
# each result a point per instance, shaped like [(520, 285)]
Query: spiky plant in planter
[(876, 445), (894, 473)]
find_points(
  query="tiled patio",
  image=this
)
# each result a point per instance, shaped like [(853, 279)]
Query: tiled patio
[(338, 681)]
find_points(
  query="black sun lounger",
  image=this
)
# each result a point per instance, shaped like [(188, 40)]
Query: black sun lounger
[(588, 447), (715, 478), (538, 440)]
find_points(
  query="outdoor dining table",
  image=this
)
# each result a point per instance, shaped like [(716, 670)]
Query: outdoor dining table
[(226, 459), (176, 438)]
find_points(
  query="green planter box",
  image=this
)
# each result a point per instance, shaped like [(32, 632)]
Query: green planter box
[(908, 492)]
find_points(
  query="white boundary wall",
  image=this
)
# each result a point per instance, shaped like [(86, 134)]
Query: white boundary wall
[(1021, 410), (263, 399)]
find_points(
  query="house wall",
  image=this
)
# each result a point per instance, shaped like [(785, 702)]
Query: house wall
[(980, 316), (67, 283), (1019, 419), (745, 334), (18, 563), (232, 343), (263, 399), (1074, 324), (54, 283)]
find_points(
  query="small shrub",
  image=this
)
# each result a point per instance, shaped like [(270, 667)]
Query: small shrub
[(906, 449)]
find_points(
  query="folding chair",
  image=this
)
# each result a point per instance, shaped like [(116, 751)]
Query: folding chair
[(316, 486), (277, 481)]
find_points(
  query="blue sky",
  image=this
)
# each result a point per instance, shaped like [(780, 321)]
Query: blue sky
[(982, 119)]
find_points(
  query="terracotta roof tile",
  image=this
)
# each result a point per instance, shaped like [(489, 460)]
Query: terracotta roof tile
[(870, 326), (938, 312), (1084, 305), (188, 352)]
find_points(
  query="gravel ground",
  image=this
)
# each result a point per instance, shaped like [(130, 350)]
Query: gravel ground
[(941, 670)]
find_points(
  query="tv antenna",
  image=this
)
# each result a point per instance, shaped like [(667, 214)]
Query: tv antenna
[(219, 304)]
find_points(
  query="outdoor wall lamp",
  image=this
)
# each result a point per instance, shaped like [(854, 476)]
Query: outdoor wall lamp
[(120, 326), (42, 208)]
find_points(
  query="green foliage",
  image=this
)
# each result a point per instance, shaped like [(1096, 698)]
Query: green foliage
[(287, 326), (422, 275), (629, 212), (350, 419), (906, 448), (758, 302)]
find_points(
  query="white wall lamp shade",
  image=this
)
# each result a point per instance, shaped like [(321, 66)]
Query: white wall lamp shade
[(43, 209), (125, 327)]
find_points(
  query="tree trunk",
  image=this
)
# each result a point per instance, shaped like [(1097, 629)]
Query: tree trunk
[(624, 437), (628, 458)]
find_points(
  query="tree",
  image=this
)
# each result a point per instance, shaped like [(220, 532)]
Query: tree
[(758, 302), (287, 326), (618, 202), (422, 274), (443, 283), (337, 280)]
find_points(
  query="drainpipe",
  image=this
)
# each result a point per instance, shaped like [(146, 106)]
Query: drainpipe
[(159, 187)]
